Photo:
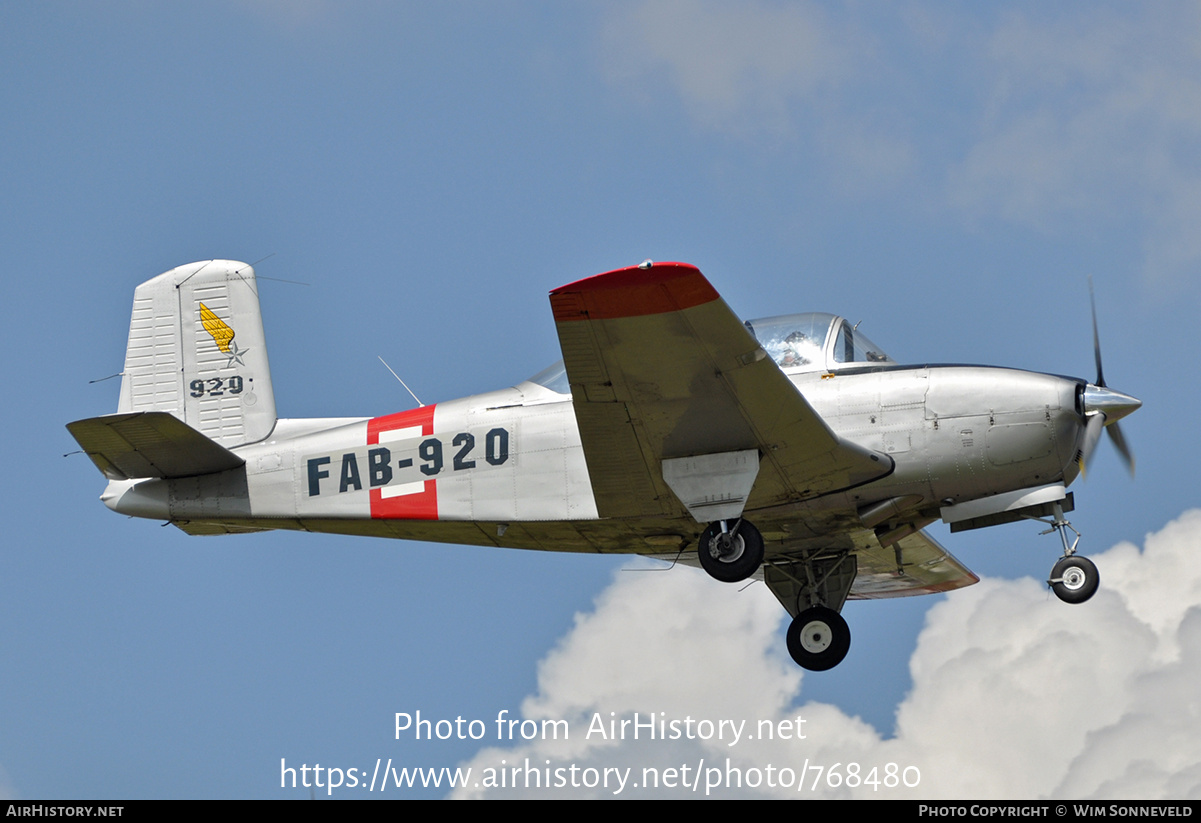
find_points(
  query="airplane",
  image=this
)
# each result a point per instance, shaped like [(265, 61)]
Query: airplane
[(791, 449)]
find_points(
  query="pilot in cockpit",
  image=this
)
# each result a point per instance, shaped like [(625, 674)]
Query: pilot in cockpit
[(791, 354)]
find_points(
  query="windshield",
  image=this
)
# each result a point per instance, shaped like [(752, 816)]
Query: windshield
[(854, 347)]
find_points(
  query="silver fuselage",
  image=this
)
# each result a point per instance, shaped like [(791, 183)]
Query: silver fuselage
[(955, 433)]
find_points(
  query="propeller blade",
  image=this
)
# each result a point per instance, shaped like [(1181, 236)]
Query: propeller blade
[(1092, 434), (1092, 299), (1119, 442)]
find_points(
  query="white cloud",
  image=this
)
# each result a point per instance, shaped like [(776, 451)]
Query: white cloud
[(1080, 115), (1074, 121), (735, 67), (1014, 693), (771, 73)]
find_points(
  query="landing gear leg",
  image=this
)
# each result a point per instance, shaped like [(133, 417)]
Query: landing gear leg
[(1073, 579), (818, 639), (731, 552)]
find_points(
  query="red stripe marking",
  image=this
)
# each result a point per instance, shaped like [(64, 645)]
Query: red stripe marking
[(633, 292), (420, 506)]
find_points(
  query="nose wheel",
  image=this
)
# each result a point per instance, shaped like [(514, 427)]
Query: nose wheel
[(818, 639), (1074, 579), (731, 553)]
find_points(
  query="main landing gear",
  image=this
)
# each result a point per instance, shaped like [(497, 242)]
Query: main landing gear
[(731, 552), (813, 586), (818, 639), (1074, 579)]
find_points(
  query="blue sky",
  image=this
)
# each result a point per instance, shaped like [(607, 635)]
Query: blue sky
[(948, 175)]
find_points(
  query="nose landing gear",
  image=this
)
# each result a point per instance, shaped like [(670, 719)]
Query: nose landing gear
[(1073, 579)]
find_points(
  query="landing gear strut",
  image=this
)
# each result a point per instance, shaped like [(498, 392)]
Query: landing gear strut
[(731, 552), (1073, 579), (818, 639)]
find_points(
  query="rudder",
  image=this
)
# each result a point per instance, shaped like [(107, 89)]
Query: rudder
[(197, 351)]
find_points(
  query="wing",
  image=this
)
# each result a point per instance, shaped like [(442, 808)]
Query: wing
[(916, 564), (865, 570), (661, 368)]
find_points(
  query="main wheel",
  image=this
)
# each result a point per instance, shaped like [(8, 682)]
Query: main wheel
[(1074, 579), (733, 555), (818, 639)]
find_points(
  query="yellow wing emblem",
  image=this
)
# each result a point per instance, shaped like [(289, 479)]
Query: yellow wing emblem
[(221, 333)]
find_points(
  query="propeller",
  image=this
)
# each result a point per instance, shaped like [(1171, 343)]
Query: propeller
[(1104, 407)]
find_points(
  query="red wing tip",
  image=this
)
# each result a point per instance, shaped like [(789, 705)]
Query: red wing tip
[(637, 291), (632, 276)]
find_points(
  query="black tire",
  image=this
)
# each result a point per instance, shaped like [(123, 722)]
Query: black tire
[(1076, 579), (731, 557), (818, 639)]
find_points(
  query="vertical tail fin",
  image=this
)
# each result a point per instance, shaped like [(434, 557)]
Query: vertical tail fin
[(197, 350)]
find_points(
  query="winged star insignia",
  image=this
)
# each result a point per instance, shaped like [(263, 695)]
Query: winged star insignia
[(222, 335)]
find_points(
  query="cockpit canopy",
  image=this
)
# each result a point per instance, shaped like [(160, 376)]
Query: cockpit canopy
[(813, 341)]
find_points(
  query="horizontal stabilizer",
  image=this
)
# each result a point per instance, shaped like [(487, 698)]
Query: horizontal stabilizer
[(149, 444), (205, 528)]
